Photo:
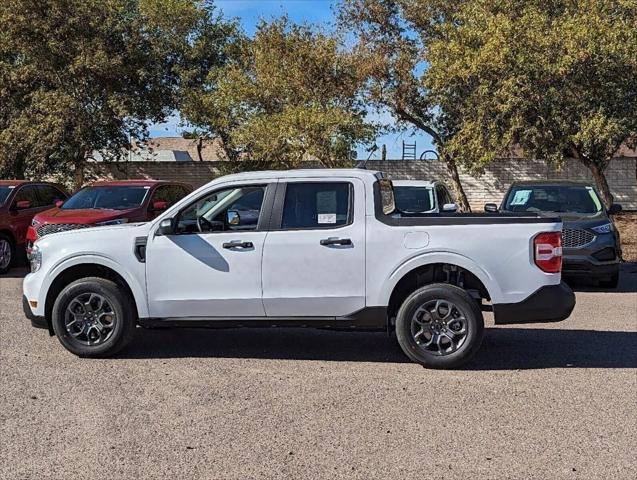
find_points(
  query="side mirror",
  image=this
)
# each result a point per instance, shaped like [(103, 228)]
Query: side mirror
[(22, 204), (59, 203), (449, 207), (160, 206), (233, 217), (614, 208), (491, 207), (166, 227)]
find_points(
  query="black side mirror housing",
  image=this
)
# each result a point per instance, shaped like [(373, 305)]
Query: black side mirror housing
[(491, 207), (166, 227), (614, 208)]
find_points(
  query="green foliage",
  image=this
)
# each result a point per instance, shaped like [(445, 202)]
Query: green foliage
[(288, 94), (557, 77), (393, 36), (81, 75)]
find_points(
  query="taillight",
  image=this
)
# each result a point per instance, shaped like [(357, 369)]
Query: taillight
[(548, 251)]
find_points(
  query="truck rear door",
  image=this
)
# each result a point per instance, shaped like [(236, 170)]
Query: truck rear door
[(314, 254)]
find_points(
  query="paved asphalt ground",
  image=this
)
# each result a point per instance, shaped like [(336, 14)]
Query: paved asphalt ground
[(540, 401)]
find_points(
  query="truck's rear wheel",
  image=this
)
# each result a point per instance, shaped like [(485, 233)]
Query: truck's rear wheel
[(93, 317), (440, 326)]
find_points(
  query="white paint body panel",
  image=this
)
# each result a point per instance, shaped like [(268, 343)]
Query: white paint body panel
[(194, 276), (302, 278), (289, 273)]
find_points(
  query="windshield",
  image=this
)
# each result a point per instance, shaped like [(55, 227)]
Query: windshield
[(553, 198), (113, 198), (414, 199), (5, 191)]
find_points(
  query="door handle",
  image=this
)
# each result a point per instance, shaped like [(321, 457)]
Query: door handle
[(238, 244), (336, 241)]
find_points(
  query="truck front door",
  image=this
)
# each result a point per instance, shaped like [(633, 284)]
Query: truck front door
[(210, 267)]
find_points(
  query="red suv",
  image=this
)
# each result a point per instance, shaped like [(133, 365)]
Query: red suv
[(108, 203), (20, 200)]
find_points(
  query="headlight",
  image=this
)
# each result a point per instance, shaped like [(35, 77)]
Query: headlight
[(606, 228), (35, 258), (118, 221), (35, 223)]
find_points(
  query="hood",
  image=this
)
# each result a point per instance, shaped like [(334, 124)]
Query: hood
[(85, 216), (579, 219)]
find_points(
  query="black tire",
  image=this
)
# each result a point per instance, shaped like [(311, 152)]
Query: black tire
[(120, 304), (9, 241), (611, 282), (462, 304)]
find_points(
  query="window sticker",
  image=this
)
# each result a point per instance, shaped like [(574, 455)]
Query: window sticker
[(521, 197), (11, 187), (327, 218)]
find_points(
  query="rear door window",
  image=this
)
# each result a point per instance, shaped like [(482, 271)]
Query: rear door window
[(315, 205), (28, 193), (49, 194)]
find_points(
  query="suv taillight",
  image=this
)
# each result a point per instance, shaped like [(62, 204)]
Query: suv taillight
[(548, 251)]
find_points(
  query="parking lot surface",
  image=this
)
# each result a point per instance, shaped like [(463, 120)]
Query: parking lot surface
[(538, 401)]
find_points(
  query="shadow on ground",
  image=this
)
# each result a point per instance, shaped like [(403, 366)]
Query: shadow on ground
[(627, 281), (18, 272), (502, 349)]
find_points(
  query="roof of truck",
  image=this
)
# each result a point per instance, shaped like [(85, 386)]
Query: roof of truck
[(305, 173)]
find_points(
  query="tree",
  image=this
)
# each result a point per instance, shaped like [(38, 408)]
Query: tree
[(393, 37), (287, 95), (558, 78), (78, 76)]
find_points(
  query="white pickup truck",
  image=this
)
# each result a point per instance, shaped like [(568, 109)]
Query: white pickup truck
[(311, 248)]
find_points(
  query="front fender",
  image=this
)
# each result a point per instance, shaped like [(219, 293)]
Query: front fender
[(429, 258), (138, 289)]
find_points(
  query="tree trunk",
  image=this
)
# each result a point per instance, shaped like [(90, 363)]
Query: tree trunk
[(19, 167), (461, 197), (78, 173), (199, 148), (601, 183)]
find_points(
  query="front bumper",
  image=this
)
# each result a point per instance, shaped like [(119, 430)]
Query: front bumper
[(36, 321), (600, 258), (588, 269), (550, 303)]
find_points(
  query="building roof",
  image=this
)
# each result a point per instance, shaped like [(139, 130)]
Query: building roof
[(185, 149), (12, 183)]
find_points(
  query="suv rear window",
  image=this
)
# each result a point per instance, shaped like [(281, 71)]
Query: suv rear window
[(316, 205)]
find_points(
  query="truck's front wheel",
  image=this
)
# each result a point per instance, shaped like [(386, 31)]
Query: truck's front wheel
[(93, 317), (440, 326)]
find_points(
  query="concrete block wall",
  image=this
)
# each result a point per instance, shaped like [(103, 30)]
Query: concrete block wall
[(488, 187)]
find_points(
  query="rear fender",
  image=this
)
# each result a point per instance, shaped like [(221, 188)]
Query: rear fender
[(439, 257)]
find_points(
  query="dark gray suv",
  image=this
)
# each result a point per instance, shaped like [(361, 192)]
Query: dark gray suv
[(590, 241)]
